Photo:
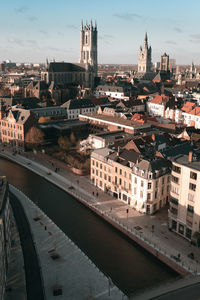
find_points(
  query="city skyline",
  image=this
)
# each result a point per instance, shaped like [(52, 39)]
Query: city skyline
[(30, 32)]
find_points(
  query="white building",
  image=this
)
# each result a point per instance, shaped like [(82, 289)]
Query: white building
[(184, 212), (112, 91), (76, 107)]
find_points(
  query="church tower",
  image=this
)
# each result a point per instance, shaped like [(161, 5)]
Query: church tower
[(144, 62), (88, 55)]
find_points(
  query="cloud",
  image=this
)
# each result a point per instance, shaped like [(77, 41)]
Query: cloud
[(23, 43), (71, 26), (33, 18), (194, 41), (109, 36), (60, 33), (127, 16), (195, 36), (170, 42), (22, 9), (43, 32), (16, 41), (177, 29)]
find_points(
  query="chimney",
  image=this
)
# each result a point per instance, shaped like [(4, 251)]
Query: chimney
[(190, 157), (118, 151)]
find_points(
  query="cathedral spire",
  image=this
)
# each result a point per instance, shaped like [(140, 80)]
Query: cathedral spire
[(146, 39)]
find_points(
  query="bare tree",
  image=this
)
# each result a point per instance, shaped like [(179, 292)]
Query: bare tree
[(34, 137)]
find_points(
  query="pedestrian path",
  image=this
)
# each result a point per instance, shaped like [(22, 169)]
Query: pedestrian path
[(66, 270)]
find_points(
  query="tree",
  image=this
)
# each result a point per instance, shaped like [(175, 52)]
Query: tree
[(34, 137), (64, 143)]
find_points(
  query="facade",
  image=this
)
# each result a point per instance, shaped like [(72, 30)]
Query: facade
[(144, 62), (15, 123), (112, 123), (88, 45), (117, 92), (75, 107), (156, 106), (184, 212), (5, 234), (164, 62), (142, 184)]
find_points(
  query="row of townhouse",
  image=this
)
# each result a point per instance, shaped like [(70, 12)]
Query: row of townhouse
[(162, 106), (141, 183)]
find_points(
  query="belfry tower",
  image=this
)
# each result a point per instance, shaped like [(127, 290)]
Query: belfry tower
[(144, 62), (88, 55)]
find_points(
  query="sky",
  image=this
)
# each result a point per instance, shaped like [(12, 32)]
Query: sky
[(31, 31)]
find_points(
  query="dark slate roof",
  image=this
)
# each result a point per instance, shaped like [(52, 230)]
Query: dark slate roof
[(78, 103), (183, 148), (64, 67), (153, 165), (125, 156)]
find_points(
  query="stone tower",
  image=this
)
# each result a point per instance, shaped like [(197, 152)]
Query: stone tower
[(164, 62), (144, 62), (88, 55)]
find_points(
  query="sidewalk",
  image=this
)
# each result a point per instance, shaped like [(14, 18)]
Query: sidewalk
[(161, 239), (63, 265)]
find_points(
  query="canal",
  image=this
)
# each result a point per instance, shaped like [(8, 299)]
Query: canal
[(130, 267)]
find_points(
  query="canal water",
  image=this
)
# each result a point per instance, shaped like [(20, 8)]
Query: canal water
[(129, 266)]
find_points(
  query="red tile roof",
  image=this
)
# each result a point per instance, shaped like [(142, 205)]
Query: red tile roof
[(158, 99)]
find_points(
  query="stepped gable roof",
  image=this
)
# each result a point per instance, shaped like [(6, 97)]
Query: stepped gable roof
[(78, 103), (64, 67)]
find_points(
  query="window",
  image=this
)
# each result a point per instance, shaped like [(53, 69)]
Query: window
[(115, 169), (174, 224), (92, 171), (135, 180), (120, 171), (174, 200), (176, 169), (188, 233), (156, 183), (129, 186), (115, 179), (130, 176), (104, 168), (142, 183), (168, 179), (125, 184), (135, 191), (100, 166), (120, 181), (190, 209), (148, 196), (149, 185), (193, 175), (141, 194), (192, 186), (109, 178), (97, 172), (181, 229), (124, 173), (175, 190), (105, 176), (156, 193), (191, 197), (97, 164), (93, 162), (175, 179), (101, 174), (162, 191), (163, 180)]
